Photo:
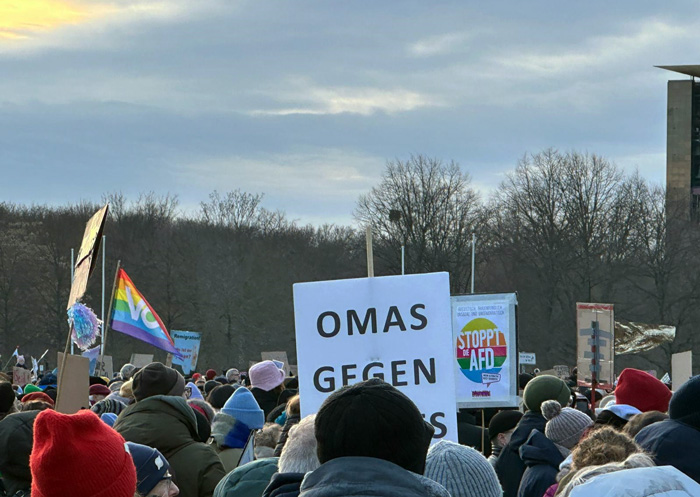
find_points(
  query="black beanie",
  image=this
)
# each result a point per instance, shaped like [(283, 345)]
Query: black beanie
[(503, 422), (203, 426), (609, 418), (373, 419), (7, 397), (218, 397), (685, 403), (209, 386), (157, 379), (16, 439)]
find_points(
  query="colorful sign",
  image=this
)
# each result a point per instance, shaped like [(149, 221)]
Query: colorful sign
[(187, 343), (134, 316), (486, 362), (395, 328)]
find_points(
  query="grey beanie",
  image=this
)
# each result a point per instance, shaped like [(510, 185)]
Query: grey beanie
[(463, 471), (566, 426)]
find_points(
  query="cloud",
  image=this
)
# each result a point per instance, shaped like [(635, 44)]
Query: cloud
[(441, 44)]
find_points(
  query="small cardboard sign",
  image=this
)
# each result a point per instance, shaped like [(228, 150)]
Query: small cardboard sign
[(527, 358), (74, 384), (681, 368), (85, 263), (563, 371), (106, 367), (21, 376), (141, 360)]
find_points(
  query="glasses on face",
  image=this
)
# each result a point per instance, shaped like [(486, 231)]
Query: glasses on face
[(163, 488)]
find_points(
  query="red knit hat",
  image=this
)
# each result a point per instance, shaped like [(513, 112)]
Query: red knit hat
[(80, 456), (210, 374), (30, 397), (642, 390), (99, 390)]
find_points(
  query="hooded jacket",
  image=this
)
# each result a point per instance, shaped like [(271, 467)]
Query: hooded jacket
[(284, 485), (168, 424), (670, 442), (662, 481), (542, 459), (266, 400), (289, 422), (16, 438), (249, 480), (367, 477), (228, 440), (509, 466)]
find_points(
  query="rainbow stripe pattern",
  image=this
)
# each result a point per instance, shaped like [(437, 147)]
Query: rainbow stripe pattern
[(134, 316)]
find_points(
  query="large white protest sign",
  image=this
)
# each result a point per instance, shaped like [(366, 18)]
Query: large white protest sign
[(187, 343), (395, 327), (485, 354)]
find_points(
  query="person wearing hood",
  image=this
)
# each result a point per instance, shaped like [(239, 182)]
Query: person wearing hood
[(509, 466), (249, 480), (267, 382), (372, 440), (298, 458), (233, 426), (16, 440), (292, 417), (192, 392), (671, 441), (162, 419)]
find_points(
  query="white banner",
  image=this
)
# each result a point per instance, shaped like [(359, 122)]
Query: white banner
[(394, 327), (485, 351), (187, 343)]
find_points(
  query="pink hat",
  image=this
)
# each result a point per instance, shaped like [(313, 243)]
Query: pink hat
[(266, 375)]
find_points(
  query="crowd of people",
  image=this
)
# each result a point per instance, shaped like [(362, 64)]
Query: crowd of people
[(152, 432)]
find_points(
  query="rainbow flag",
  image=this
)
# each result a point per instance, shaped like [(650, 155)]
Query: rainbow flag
[(134, 316)]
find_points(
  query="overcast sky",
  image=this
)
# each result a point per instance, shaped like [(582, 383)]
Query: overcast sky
[(305, 101)]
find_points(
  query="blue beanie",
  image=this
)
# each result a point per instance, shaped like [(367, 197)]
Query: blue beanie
[(244, 408), (109, 417), (151, 466)]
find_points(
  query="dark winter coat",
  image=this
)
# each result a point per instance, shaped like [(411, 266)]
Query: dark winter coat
[(284, 485), (16, 437), (542, 459), (249, 480), (509, 466), (365, 477), (291, 421), (672, 443), (168, 424), (266, 400)]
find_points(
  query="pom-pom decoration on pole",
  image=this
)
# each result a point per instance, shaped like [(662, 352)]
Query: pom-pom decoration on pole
[(84, 325)]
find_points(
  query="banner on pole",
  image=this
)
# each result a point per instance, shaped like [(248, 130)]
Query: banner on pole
[(596, 344), (85, 263), (485, 350), (393, 327), (187, 343)]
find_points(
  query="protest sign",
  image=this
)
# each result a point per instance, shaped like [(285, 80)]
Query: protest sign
[(279, 357), (562, 371), (85, 262), (527, 358), (393, 327), (596, 342), (141, 360), (681, 368), (187, 343), (485, 350), (74, 384), (105, 367), (21, 376)]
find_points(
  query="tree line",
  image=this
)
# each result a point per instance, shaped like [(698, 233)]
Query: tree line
[(561, 228)]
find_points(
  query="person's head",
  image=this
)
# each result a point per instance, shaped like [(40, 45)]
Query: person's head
[(373, 419), (98, 392), (463, 471), (233, 375), (603, 446), (80, 456), (545, 387), (157, 379), (127, 389), (218, 396), (266, 440), (16, 438), (293, 406), (299, 452), (37, 397), (566, 426), (266, 376), (127, 371), (685, 404), (584, 475), (203, 407), (152, 472), (209, 386), (642, 390), (7, 397), (243, 407), (616, 415), (502, 426), (210, 374), (640, 421)]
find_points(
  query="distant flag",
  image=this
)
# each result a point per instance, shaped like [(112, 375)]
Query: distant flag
[(16, 352), (134, 316)]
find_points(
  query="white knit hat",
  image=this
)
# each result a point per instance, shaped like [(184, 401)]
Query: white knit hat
[(463, 471), (565, 426)]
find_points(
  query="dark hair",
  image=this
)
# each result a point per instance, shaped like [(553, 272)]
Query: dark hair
[(639, 421)]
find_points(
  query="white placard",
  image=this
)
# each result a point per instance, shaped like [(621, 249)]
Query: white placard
[(527, 358), (397, 327), (681, 368), (485, 359)]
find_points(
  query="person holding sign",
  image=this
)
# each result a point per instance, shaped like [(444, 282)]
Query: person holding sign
[(372, 440)]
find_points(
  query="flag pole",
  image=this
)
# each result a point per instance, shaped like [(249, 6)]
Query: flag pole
[(102, 308), (105, 321)]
